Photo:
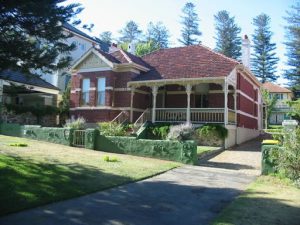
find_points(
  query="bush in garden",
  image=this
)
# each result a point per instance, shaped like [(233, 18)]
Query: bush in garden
[(159, 131), (211, 135), (213, 129), (289, 158), (77, 124), (112, 129), (181, 132)]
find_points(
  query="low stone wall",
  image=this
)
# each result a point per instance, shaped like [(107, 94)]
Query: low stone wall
[(27, 118), (185, 152), (51, 134), (12, 129)]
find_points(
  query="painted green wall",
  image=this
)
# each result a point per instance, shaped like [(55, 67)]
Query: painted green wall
[(51, 134), (185, 152), (11, 129), (268, 163)]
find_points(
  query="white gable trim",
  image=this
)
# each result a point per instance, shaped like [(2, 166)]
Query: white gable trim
[(94, 69), (92, 51)]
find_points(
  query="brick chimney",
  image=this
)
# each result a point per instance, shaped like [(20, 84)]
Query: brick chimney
[(113, 48), (246, 52)]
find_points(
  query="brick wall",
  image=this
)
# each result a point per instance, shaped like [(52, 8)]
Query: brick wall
[(245, 104), (247, 122)]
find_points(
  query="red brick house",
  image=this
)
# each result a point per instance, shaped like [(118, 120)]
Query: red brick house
[(185, 84)]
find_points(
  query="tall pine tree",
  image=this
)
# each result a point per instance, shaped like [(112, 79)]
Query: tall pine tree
[(264, 58), (158, 34), (190, 21), (106, 36), (293, 46), (32, 37), (130, 32), (227, 35)]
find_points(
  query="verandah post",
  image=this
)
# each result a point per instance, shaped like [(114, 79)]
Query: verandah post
[(131, 104), (154, 94), (188, 89), (225, 89)]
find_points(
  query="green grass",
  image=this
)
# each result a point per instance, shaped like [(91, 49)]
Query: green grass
[(275, 127), (268, 200), (205, 149), (43, 172)]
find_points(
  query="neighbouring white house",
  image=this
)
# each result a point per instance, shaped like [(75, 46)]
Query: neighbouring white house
[(281, 109), (83, 42)]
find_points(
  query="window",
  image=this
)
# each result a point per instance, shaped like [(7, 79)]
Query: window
[(101, 91), (85, 91)]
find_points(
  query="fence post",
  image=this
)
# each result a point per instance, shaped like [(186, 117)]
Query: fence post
[(90, 138)]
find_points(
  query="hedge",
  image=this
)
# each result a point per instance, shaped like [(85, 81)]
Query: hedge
[(185, 152)]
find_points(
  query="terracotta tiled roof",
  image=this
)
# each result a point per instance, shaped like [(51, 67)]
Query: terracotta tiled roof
[(109, 57), (186, 62), (274, 88), (126, 57)]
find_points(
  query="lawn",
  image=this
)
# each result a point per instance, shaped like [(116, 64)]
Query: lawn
[(43, 172), (268, 200), (202, 150)]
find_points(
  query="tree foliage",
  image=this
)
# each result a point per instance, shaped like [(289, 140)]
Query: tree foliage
[(64, 105), (130, 32), (264, 58), (31, 34), (270, 102), (227, 35), (106, 37), (294, 109), (293, 45), (143, 48), (289, 160), (158, 34), (190, 25)]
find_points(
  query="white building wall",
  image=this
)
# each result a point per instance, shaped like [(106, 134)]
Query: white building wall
[(58, 78), (231, 138), (245, 134)]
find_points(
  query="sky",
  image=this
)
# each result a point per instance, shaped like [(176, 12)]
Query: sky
[(112, 15)]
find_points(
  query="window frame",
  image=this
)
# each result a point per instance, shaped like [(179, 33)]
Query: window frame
[(85, 92), (101, 93)]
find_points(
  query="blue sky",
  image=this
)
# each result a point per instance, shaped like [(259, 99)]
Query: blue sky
[(113, 14)]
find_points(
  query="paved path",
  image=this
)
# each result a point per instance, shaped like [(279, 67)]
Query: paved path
[(188, 195)]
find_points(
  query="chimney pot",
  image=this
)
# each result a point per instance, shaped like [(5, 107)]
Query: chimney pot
[(246, 51)]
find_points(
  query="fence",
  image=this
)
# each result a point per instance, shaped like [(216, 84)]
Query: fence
[(78, 138)]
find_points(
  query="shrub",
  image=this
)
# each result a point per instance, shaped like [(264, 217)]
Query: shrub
[(112, 129), (77, 124), (212, 129), (106, 158), (159, 131), (18, 144), (181, 132), (289, 158)]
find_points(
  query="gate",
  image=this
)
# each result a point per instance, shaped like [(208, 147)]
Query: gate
[(79, 138)]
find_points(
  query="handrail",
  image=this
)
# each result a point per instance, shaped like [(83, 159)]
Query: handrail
[(121, 117), (142, 118)]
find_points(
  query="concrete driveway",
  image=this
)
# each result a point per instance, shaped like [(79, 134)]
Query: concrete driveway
[(188, 195)]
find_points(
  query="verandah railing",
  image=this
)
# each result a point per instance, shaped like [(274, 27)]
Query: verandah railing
[(198, 115)]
